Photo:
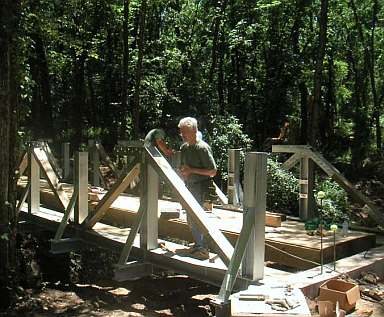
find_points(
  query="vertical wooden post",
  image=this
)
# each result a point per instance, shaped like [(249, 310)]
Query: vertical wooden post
[(34, 181), (306, 199), (95, 163), (234, 187), (149, 226), (81, 182), (66, 160), (255, 189)]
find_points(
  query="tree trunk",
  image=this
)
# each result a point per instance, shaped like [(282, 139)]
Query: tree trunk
[(327, 120), (304, 99), (369, 57), (41, 97), (9, 14), (220, 82), (361, 129), (314, 128), (139, 68), (78, 98), (124, 84)]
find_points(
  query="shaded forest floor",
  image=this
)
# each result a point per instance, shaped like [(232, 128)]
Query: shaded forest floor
[(166, 296)]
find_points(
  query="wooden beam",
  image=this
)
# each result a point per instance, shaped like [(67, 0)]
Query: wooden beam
[(373, 210), (132, 271), (291, 162), (279, 148), (34, 182), (106, 159), (291, 237), (51, 176), (67, 214), (220, 194), (23, 164), (206, 225), (117, 188), (255, 185)]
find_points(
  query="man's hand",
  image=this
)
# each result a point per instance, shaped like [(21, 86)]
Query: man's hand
[(186, 171), (169, 152)]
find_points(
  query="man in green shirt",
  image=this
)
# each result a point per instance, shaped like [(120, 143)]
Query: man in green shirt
[(197, 169)]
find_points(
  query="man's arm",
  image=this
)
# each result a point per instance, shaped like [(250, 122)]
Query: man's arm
[(186, 171), (209, 162), (164, 148)]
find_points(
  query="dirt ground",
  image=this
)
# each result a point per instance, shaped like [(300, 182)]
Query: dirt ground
[(81, 285), (175, 295), (162, 296)]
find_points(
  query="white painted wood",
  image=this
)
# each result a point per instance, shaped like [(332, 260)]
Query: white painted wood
[(66, 160), (95, 163), (235, 192), (255, 189), (306, 199), (149, 226), (117, 188), (81, 182), (197, 213), (34, 180), (51, 176)]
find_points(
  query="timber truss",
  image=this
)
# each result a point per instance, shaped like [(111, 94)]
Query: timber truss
[(306, 155), (82, 225)]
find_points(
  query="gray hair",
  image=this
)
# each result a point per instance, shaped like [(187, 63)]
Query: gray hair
[(188, 122)]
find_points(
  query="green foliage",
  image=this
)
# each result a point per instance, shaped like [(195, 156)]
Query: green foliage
[(227, 134), (282, 189), (335, 205)]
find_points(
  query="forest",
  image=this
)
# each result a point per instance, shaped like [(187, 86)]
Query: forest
[(114, 69)]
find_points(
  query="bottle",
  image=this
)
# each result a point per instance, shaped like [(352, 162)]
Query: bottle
[(344, 228)]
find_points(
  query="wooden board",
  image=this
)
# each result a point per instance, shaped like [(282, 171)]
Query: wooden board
[(51, 177), (290, 237), (195, 211), (113, 238)]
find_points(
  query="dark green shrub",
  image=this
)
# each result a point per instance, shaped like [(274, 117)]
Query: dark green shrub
[(282, 189), (227, 134), (335, 204)]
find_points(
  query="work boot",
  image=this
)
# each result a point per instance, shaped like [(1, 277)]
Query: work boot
[(200, 254)]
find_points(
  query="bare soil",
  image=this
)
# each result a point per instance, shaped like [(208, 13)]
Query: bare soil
[(175, 295)]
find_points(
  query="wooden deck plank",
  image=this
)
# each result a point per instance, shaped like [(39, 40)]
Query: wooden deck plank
[(113, 238), (291, 237)]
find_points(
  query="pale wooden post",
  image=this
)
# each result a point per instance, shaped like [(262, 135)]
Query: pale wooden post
[(95, 163), (81, 182), (149, 226), (255, 189), (34, 181), (66, 160), (234, 187), (306, 199)]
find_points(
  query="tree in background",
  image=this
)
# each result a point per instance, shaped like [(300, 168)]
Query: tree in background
[(9, 17)]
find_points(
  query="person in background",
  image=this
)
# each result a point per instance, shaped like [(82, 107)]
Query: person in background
[(156, 137), (282, 138), (197, 169)]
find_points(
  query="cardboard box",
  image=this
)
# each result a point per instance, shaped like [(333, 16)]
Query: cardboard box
[(347, 294)]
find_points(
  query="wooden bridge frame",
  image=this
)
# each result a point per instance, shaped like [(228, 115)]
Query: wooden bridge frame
[(307, 156), (152, 165)]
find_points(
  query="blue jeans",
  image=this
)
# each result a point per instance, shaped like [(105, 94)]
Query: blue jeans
[(197, 191)]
